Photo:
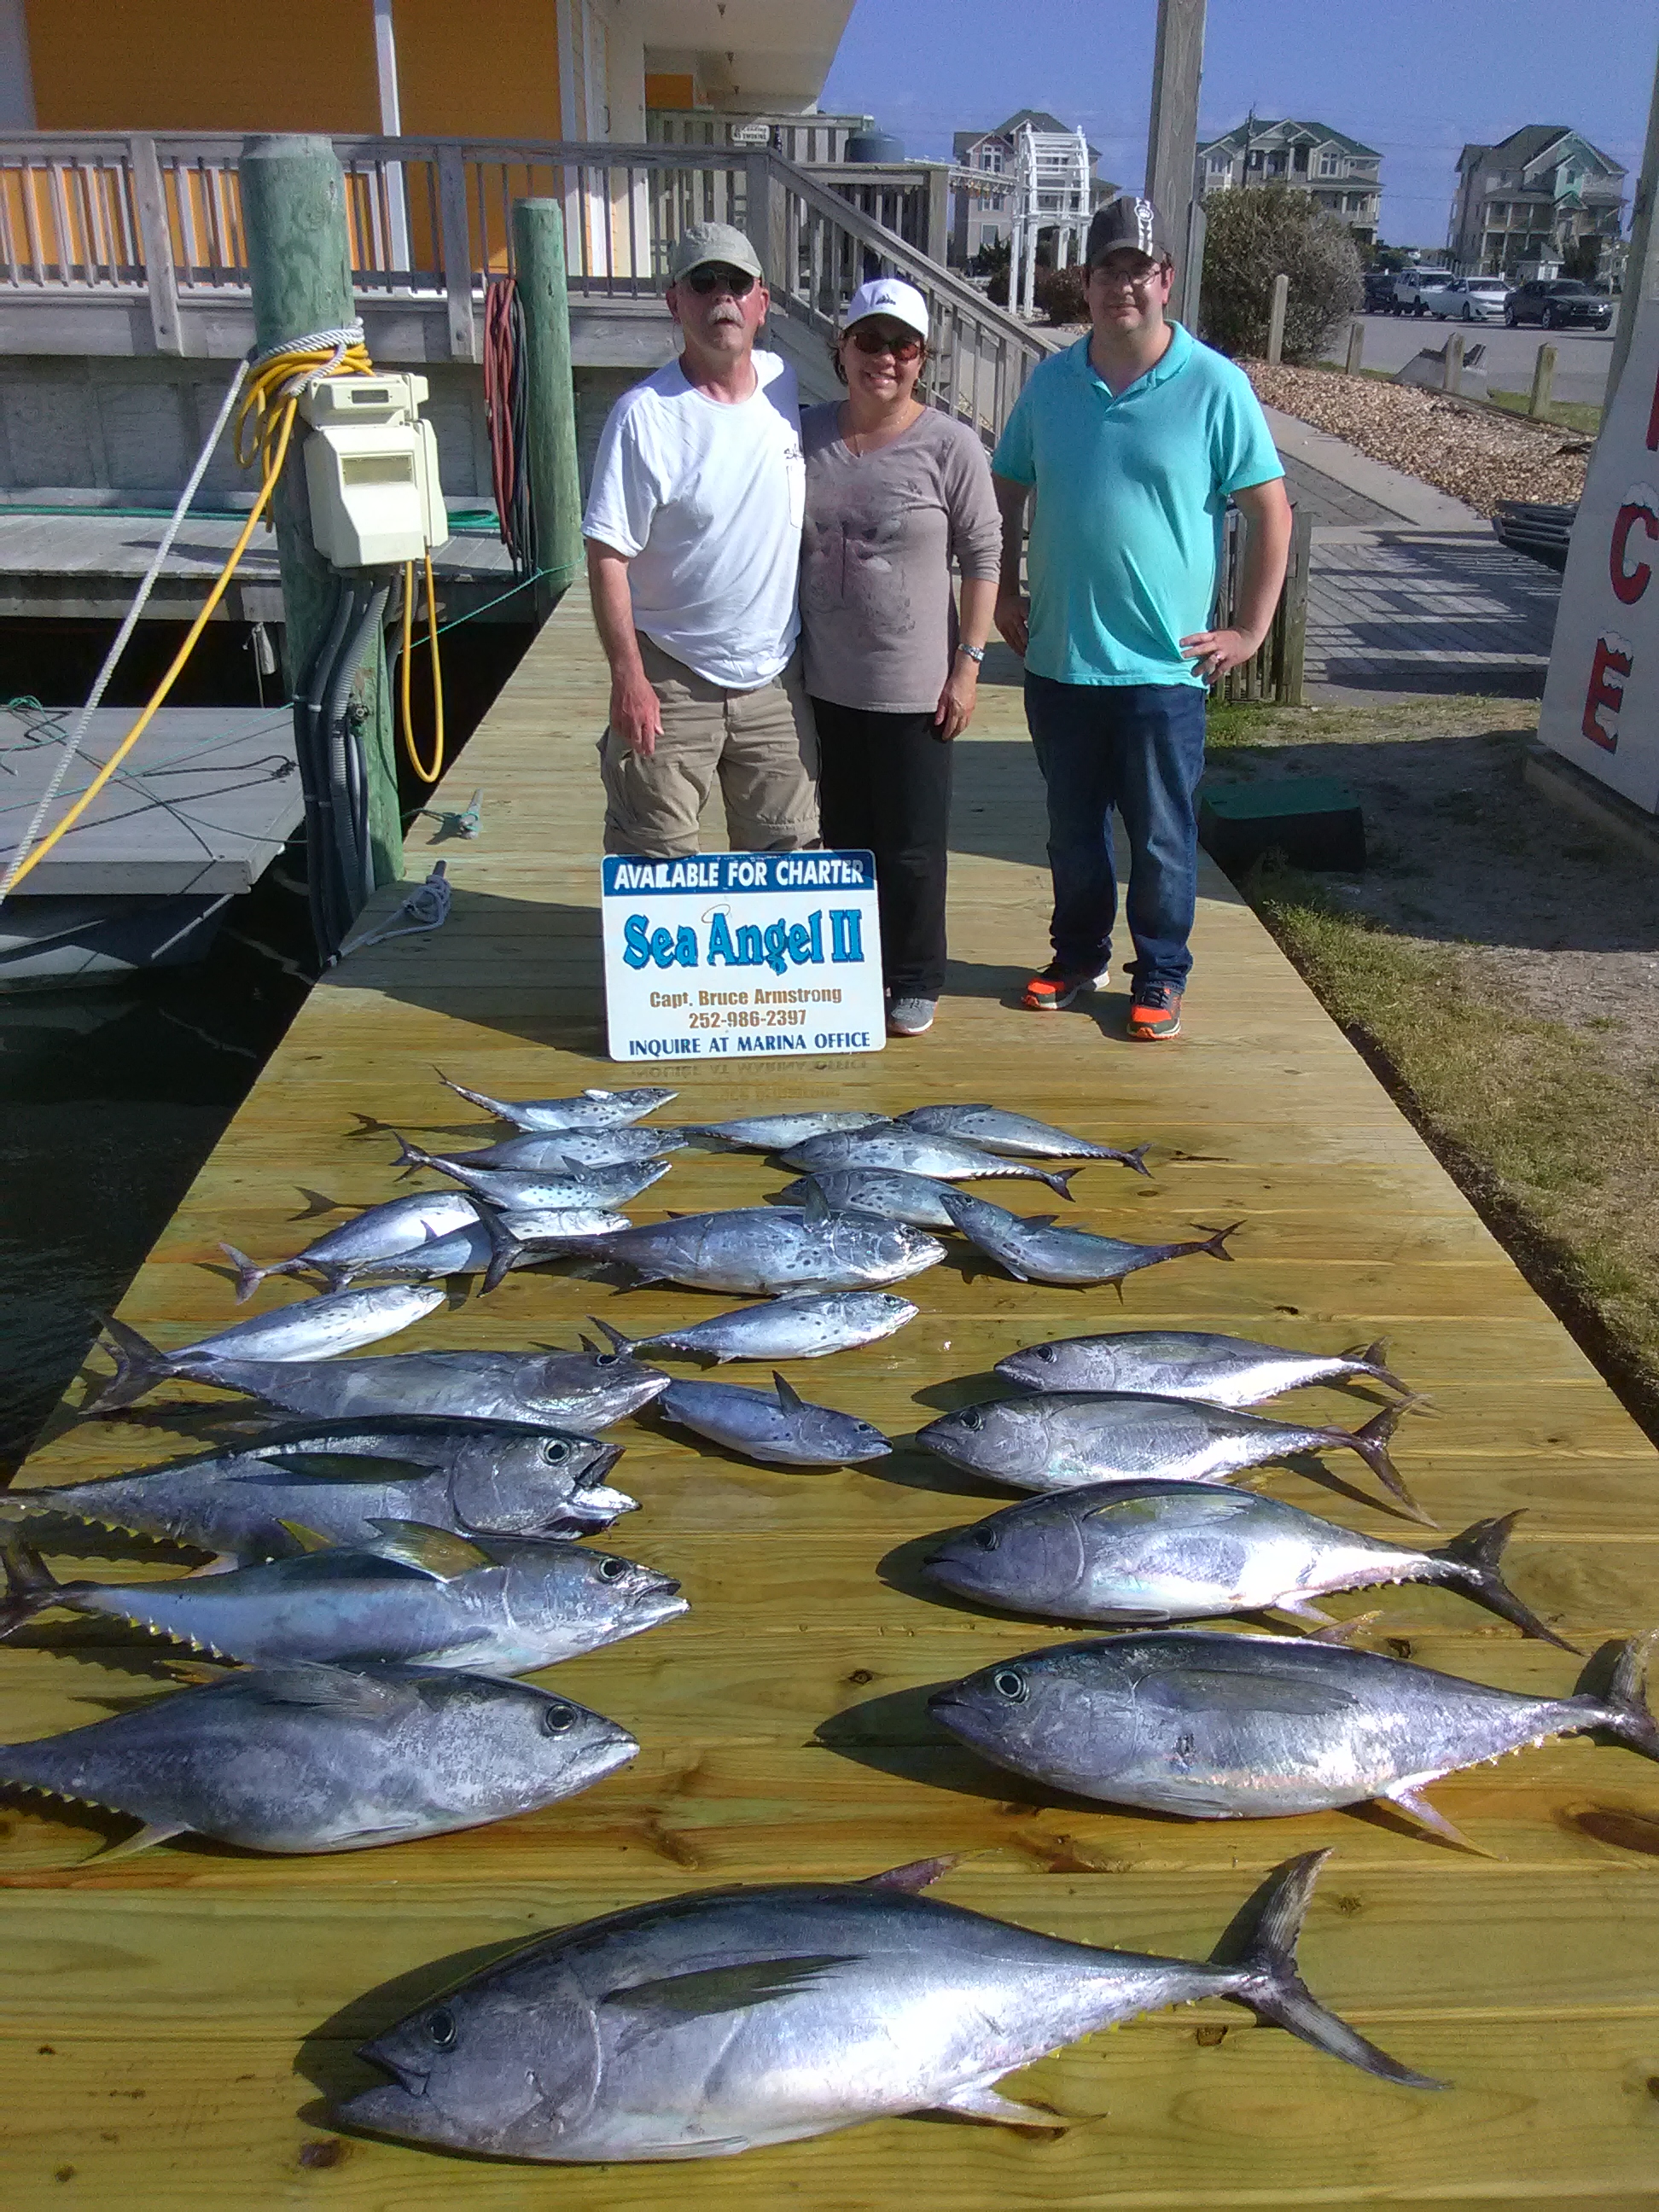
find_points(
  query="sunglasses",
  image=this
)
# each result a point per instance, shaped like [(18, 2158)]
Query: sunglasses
[(875, 342), (715, 276)]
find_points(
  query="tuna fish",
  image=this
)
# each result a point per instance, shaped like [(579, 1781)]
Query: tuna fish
[(490, 1246), (316, 1759), (559, 1148), (592, 1109), (1060, 1439), (766, 1249), (801, 1327), (421, 1597), (1123, 1553), (1222, 1727), (888, 1193), (582, 1390), (912, 1153), (535, 1189), (706, 2025), (476, 1478), (781, 1428), (298, 1335), (775, 1132), (1033, 1250), (994, 1129), (375, 1234), (1175, 1363)]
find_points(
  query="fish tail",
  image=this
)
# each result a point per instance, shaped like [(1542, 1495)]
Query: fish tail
[(618, 1342), (475, 1097), (1470, 1563), (249, 1274), (506, 1249), (139, 1365), (1371, 1357), (411, 1157), (1626, 1713), (1058, 1180), (1218, 1242), (1260, 1947), (29, 1587), (1371, 1442), (1135, 1157)]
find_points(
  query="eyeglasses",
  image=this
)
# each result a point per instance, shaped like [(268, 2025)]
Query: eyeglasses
[(1137, 280), (875, 342), (716, 277)]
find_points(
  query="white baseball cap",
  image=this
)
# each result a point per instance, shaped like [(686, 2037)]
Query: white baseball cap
[(887, 296)]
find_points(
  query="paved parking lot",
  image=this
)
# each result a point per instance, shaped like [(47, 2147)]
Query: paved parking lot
[(1581, 356)]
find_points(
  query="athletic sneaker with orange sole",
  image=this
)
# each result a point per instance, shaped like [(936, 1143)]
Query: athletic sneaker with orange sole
[(1055, 987), (1154, 1012)]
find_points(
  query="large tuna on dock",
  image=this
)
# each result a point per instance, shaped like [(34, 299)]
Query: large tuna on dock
[(1033, 1250), (1180, 1363), (766, 1249), (1020, 1136)]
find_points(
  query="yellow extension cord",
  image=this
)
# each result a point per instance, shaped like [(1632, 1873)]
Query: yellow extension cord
[(428, 775), (265, 424)]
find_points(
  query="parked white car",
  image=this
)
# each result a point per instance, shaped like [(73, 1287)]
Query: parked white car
[(1415, 290), (1469, 300)]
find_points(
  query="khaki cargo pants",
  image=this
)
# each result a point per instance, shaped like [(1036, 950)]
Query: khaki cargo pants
[(760, 744)]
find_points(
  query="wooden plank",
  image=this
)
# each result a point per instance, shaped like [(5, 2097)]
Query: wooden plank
[(172, 2024)]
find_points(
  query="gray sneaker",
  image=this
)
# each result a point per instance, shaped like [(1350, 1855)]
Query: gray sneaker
[(911, 1016)]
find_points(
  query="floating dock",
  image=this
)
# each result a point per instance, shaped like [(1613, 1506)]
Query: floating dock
[(174, 2025)]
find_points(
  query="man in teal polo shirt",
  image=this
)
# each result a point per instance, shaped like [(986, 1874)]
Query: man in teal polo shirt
[(1134, 440)]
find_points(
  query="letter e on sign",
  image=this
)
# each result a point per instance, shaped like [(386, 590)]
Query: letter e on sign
[(1605, 693)]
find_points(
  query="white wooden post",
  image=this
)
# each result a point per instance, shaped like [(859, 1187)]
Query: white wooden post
[(1281, 294)]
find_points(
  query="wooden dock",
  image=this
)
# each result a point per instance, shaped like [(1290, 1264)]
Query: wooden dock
[(174, 2024)]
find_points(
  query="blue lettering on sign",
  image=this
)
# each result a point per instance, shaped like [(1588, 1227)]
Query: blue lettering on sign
[(845, 933), (636, 939), (749, 946)]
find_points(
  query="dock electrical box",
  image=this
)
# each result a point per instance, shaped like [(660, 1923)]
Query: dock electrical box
[(372, 470)]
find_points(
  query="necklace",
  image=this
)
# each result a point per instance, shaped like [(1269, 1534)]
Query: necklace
[(850, 437)]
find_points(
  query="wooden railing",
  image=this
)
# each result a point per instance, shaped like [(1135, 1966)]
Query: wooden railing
[(430, 222), (1274, 672), (806, 140)]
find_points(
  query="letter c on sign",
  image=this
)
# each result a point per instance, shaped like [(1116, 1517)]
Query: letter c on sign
[(1629, 583)]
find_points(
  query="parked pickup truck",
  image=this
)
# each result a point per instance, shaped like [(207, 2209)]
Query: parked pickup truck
[(1415, 290)]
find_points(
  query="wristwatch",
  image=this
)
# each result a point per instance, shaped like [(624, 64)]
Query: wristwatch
[(974, 651)]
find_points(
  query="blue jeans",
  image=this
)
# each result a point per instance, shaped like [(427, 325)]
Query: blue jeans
[(1139, 748)]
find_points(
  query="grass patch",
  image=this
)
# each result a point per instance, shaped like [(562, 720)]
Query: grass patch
[(1581, 415), (1556, 1149)]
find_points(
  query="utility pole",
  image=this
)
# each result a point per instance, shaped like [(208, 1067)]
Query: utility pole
[(1642, 262), (549, 396), (1172, 133), (299, 260)]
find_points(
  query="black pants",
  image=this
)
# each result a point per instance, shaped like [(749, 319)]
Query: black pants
[(885, 786)]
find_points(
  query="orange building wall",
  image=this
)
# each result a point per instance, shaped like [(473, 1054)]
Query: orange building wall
[(489, 69), (670, 91), (205, 65)]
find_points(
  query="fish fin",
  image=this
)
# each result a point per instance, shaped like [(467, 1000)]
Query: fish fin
[(1340, 1631), (1217, 1243), (1470, 1563), (30, 1588), (1059, 1181), (307, 1538), (1266, 1933), (1135, 1157), (1371, 1357), (436, 1552), (788, 1397), (1414, 1803), (339, 1689), (194, 1673), (914, 1874), (1629, 1717), (153, 1831), (978, 2100), (139, 1365), (1371, 1442), (249, 1275), (222, 1563), (619, 1342), (505, 1248), (1042, 1220), (725, 1989), (814, 1206), (1297, 1606)]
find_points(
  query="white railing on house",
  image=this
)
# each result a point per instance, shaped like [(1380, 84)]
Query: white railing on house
[(430, 223), (802, 139)]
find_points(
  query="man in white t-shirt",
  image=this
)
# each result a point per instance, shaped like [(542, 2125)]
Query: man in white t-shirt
[(693, 530)]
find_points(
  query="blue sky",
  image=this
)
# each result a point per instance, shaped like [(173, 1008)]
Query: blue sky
[(1414, 78)]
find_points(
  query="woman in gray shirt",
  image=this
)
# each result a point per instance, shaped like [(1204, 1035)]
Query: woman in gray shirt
[(895, 491)]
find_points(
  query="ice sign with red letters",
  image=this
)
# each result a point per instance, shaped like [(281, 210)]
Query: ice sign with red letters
[(1601, 699), (732, 957)]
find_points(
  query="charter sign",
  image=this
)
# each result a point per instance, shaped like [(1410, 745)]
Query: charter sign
[(743, 956), (1602, 700)]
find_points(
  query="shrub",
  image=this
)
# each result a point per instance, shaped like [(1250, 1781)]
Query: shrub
[(1251, 237), (1061, 295)]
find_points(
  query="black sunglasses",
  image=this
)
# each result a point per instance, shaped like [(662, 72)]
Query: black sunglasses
[(716, 277), (878, 342)]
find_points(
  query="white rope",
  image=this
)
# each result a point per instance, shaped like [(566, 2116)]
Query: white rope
[(25, 845), (427, 906)]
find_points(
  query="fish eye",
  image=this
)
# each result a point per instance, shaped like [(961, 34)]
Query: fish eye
[(554, 1449), (1008, 1682), (555, 1720), (988, 1539), (1047, 1351), (973, 1418), (440, 2026), (606, 1358), (612, 1570)]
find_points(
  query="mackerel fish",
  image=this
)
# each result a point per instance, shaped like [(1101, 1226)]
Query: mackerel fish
[(582, 1390), (1060, 1439), (421, 1597), (776, 1426), (591, 1110), (994, 1129), (766, 1249), (375, 1234), (912, 1153), (1125, 1553), (560, 1148), (1225, 1726), (473, 1478), (1175, 1363), (533, 1189), (295, 1335), (707, 2025), (888, 1193), (1033, 1250), (317, 1759), (805, 1327), (775, 1132)]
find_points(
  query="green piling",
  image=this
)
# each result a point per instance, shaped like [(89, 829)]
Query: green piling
[(555, 484)]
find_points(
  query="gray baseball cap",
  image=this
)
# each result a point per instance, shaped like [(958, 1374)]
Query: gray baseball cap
[(701, 243), (1128, 221)]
